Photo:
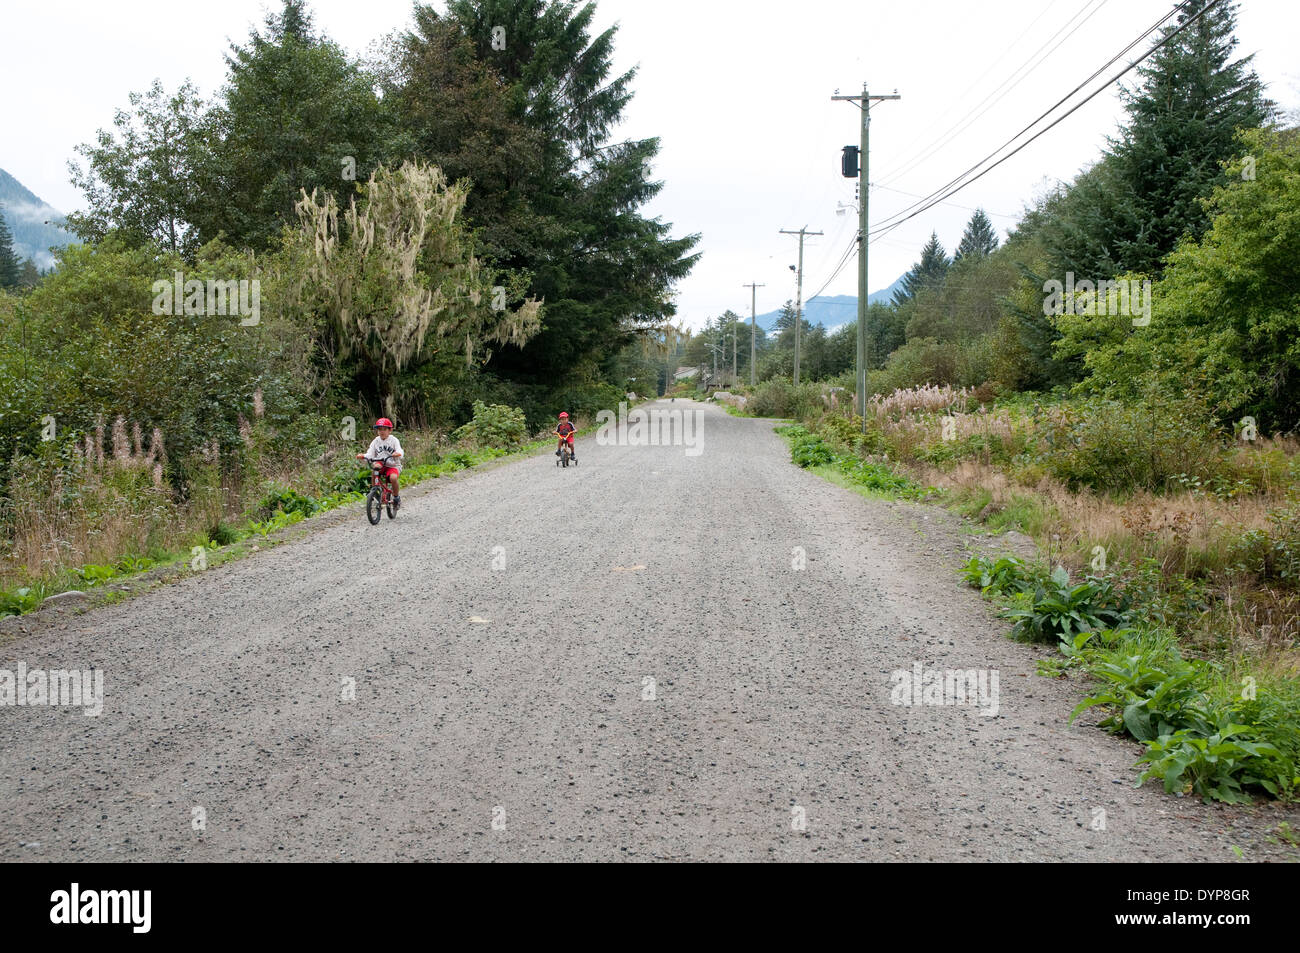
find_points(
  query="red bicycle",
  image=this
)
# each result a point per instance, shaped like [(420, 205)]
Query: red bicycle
[(380, 497)]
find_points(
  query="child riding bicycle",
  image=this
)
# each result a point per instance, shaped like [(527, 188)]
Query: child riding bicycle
[(387, 447), (565, 431)]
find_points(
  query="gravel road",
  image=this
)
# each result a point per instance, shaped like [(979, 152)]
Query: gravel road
[(666, 652)]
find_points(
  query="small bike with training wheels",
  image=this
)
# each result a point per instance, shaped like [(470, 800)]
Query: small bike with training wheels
[(380, 497), (566, 453)]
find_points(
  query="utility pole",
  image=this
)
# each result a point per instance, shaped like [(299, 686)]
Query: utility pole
[(715, 344), (735, 367), (863, 184), (798, 308), (753, 325), (714, 348)]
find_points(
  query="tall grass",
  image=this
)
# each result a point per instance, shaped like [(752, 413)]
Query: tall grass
[(1207, 527)]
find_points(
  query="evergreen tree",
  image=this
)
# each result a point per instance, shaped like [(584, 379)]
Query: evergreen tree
[(295, 21), (10, 269), (886, 332), (978, 239), (604, 271), (456, 114), (929, 272), (31, 275), (785, 325), (298, 114), (1078, 224), (1182, 119), (1227, 310), (1130, 210)]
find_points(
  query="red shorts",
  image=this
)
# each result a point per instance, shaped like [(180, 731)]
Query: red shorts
[(390, 472)]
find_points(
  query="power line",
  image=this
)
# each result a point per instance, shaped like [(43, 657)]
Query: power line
[(925, 203), (844, 260), (1045, 113), (952, 188), (952, 103), (953, 204), (1042, 53), (808, 176)]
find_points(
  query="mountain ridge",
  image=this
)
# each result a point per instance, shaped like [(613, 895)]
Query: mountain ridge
[(26, 214), (831, 311)]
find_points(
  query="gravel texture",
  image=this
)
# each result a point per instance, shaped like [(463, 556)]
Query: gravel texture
[(501, 634)]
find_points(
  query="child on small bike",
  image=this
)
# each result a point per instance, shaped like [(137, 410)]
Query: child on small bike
[(565, 430), (386, 445)]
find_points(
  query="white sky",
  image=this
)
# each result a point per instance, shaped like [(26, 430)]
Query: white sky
[(737, 90)]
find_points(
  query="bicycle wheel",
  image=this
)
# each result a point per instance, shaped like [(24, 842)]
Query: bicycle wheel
[(374, 504), (392, 510)]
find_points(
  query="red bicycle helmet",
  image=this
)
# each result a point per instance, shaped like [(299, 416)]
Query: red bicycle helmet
[(382, 422)]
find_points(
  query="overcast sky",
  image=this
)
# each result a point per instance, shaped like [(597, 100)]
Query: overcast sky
[(738, 91)]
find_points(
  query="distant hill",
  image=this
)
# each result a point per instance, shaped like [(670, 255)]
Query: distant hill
[(830, 312), (885, 295), (26, 215)]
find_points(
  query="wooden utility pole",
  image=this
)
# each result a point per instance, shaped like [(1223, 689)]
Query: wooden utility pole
[(798, 308), (753, 328), (866, 100)]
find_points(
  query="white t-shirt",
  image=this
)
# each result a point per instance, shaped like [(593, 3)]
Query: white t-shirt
[(379, 448)]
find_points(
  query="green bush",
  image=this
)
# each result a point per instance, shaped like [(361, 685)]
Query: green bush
[(779, 397), (288, 501), (23, 599), (1114, 447), (845, 433), (222, 533), (494, 425), (1055, 611), (1004, 576), (582, 401), (132, 564), (1202, 732), (1214, 766), (807, 449), (95, 575), (1274, 715), (811, 451), (922, 360), (277, 521), (347, 475), (1273, 554), (100, 348), (992, 447), (1149, 688), (1200, 738), (878, 477), (1171, 600)]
